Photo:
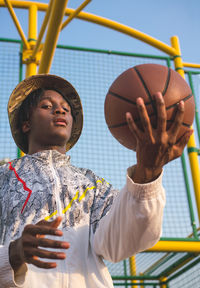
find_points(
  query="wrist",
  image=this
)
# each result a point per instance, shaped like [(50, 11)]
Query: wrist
[(15, 257), (142, 175)]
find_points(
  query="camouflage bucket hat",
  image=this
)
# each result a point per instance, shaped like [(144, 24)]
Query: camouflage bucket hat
[(50, 82)]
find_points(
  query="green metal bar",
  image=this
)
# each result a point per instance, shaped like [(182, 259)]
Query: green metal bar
[(189, 198), (196, 106), (192, 72), (112, 52), (10, 40), (168, 62), (185, 269), (160, 262), (136, 277), (178, 239), (125, 270), (168, 271), (137, 284)]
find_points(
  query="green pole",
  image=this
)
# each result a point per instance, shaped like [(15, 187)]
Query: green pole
[(196, 106), (192, 219), (185, 269)]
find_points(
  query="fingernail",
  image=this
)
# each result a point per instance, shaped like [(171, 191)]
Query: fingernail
[(139, 101), (181, 104), (62, 255), (58, 232), (65, 245)]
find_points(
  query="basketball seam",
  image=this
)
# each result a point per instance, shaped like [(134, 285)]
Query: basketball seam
[(124, 98), (152, 114), (121, 97), (146, 89), (136, 120), (184, 100), (167, 82)]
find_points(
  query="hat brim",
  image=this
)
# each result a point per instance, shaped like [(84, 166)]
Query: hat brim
[(50, 82)]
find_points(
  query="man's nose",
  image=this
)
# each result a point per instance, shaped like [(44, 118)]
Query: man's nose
[(59, 110)]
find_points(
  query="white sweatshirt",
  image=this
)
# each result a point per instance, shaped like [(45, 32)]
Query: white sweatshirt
[(98, 222)]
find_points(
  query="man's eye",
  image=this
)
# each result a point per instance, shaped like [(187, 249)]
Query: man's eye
[(46, 106), (66, 109)]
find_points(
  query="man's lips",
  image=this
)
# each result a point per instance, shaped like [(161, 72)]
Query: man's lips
[(60, 121)]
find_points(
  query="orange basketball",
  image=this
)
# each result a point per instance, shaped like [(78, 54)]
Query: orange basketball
[(144, 81)]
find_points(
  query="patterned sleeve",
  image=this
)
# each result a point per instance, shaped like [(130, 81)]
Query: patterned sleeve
[(103, 200), (3, 177)]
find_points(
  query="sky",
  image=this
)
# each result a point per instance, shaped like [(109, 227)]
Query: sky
[(157, 18)]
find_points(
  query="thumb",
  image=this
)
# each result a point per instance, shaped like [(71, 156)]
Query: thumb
[(180, 145), (185, 138), (55, 223)]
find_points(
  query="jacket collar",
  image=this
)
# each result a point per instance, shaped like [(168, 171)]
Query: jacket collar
[(54, 156)]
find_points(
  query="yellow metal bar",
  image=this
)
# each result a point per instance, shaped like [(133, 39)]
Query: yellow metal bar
[(132, 264), (42, 29), (176, 246), (163, 279), (191, 65), (105, 22), (193, 156), (141, 281), (128, 31), (55, 21), (17, 24), (75, 13), (31, 67), (25, 4)]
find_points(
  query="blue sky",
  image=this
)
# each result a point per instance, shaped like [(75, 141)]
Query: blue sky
[(160, 19)]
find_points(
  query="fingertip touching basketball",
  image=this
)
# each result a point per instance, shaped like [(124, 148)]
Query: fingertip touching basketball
[(144, 81)]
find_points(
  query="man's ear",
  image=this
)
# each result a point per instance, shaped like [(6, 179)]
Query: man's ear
[(26, 126)]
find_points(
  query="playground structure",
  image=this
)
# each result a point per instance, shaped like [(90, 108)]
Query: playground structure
[(173, 256)]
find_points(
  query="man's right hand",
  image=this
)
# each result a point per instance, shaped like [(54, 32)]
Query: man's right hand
[(27, 248)]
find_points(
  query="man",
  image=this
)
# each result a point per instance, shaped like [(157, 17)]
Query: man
[(65, 220)]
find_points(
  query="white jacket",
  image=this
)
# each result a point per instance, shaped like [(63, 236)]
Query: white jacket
[(98, 222)]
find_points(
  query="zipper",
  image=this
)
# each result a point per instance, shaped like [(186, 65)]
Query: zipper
[(57, 186), (56, 191)]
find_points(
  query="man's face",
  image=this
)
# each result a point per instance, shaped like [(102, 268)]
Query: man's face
[(50, 122)]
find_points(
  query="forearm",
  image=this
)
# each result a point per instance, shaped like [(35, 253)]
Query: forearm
[(14, 257), (8, 278), (134, 222)]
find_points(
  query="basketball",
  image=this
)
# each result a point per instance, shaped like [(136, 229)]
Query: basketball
[(144, 81)]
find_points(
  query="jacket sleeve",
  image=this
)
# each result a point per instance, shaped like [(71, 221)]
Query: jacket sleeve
[(134, 222), (7, 276)]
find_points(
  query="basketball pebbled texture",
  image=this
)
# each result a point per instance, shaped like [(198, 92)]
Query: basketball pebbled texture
[(144, 81)]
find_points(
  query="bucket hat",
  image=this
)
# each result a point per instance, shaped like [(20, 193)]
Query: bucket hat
[(50, 82)]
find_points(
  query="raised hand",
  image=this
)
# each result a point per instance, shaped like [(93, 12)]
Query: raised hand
[(156, 147), (28, 248)]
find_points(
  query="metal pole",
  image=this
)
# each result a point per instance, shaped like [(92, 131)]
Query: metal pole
[(193, 156), (176, 246), (42, 29), (75, 13), (17, 24), (104, 22), (31, 67), (132, 263), (55, 22)]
